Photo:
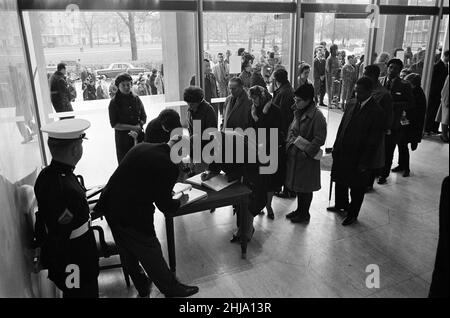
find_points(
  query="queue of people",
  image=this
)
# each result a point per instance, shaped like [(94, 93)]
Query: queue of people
[(381, 113)]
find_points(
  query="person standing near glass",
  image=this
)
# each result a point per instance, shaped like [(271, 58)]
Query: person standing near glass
[(126, 115)]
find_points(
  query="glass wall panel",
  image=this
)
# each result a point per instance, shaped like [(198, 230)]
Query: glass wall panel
[(20, 161), (425, 3), (265, 37), (156, 48)]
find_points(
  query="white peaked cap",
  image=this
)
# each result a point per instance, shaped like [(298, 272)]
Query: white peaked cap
[(67, 128)]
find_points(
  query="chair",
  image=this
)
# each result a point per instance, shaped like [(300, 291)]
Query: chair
[(105, 249)]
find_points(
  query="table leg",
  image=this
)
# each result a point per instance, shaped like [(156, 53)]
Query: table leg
[(171, 243)]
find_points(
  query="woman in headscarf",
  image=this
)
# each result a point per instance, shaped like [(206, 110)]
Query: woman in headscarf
[(306, 135), (267, 115)]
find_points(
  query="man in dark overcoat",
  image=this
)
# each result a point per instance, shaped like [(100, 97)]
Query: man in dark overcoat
[(357, 141)]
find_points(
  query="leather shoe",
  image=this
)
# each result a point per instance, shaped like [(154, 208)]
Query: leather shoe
[(181, 290), (301, 218), (382, 180), (397, 169), (406, 173), (335, 209), (349, 220), (292, 214), (237, 239)]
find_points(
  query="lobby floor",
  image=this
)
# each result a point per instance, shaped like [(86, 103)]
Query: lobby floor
[(397, 231)]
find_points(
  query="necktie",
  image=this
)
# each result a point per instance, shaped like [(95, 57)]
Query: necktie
[(388, 84), (357, 108)]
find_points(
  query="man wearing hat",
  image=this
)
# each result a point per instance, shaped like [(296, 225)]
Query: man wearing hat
[(126, 115), (68, 248)]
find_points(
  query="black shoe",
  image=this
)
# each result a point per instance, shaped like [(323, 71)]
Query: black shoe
[(335, 209), (181, 290), (301, 218), (237, 239), (397, 169), (349, 220), (382, 180), (406, 173), (292, 214), (282, 194)]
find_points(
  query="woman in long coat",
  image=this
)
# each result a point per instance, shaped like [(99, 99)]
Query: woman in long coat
[(265, 114), (306, 135)]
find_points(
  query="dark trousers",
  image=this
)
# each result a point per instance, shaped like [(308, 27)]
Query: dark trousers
[(390, 142), (403, 151), (342, 199), (373, 175), (430, 124), (304, 202), (136, 249), (319, 89)]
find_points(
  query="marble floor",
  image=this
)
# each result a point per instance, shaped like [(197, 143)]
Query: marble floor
[(397, 231)]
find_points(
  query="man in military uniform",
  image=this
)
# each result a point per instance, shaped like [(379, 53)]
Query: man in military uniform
[(68, 248)]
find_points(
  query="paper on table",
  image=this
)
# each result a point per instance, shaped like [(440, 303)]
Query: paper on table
[(181, 187), (193, 194)]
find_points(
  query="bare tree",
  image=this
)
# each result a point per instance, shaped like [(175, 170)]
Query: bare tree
[(88, 20), (130, 23)]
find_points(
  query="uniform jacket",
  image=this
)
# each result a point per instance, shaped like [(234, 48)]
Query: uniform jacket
[(303, 171), (357, 142), (57, 191), (237, 111), (402, 98)]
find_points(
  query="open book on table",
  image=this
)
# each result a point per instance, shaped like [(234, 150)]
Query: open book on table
[(183, 188), (216, 183)]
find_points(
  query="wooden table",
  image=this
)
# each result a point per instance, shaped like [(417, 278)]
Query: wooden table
[(236, 194)]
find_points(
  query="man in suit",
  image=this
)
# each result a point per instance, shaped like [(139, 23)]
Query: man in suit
[(402, 101), (210, 83), (145, 177), (357, 142), (384, 99), (440, 72), (319, 77), (237, 106)]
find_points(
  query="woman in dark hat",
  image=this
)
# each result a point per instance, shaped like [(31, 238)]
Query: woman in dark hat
[(265, 114), (306, 135), (126, 115)]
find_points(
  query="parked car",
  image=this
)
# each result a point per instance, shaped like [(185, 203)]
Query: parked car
[(116, 68)]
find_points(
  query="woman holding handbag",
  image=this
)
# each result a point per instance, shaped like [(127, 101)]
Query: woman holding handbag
[(126, 115), (306, 135)]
